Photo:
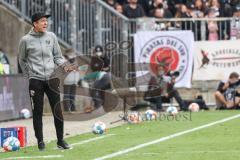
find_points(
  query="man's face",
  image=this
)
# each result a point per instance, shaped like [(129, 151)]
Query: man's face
[(159, 13), (215, 3), (183, 9), (233, 80), (119, 8), (160, 70), (133, 1), (198, 3), (41, 25), (157, 2)]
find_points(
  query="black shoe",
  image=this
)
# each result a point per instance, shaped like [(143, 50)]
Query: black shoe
[(41, 146), (222, 108), (63, 145)]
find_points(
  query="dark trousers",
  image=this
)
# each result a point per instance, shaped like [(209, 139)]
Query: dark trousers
[(97, 91), (173, 93), (37, 88), (69, 97)]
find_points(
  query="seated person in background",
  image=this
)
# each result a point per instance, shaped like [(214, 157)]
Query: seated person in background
[(227, 95), (100, 74), (70, 84), (161, 88)]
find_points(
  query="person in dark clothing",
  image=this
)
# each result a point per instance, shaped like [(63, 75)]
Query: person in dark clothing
[(182, 12), (146, 4), (100, 66), (39, 52), (162, 13), (156, 4), (133, 9), (227, 95), (161, 89), (173, 5), (122, 2), (70, 85)]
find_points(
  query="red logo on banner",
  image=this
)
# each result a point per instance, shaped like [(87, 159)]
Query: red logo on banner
[(168, 50), (167, 56)]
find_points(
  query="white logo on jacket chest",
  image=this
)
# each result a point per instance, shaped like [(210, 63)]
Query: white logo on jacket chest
[(48, 42)]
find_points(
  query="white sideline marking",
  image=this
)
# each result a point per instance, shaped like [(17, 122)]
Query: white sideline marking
[(35, 157), (92, 139), (60, 156), (187, 152), (89, 140), (166, 138)]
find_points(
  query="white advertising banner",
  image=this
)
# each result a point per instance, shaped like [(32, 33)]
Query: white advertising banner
[(215, 60), (173, 48)]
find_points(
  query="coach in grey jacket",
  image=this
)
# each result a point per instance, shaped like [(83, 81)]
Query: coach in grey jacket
[(39, 54)]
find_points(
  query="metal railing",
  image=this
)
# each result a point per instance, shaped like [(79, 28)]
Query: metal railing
[(83, 24), (199, 26), (79, 23), (86, 23)]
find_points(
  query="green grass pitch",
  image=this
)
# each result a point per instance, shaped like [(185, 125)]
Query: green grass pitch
[(218, 142)]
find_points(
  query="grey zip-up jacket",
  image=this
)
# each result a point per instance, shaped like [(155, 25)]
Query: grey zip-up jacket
[(39, 53)]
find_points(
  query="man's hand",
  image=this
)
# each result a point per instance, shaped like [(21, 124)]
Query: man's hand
[(238, 90), (70, 68), (173, 79), (106, 69), (166, 95), (226, 85)]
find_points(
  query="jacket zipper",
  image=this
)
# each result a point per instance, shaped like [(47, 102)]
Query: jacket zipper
[(44, 70)]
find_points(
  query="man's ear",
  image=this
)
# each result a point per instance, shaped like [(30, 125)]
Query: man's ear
[(34, 23)]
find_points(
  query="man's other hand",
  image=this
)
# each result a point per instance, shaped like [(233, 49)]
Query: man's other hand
[(70, 68)]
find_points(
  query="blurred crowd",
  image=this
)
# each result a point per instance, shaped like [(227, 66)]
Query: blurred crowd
[(176, 8), (166, 9)]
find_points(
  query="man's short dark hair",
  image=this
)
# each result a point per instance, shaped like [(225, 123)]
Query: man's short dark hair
[(234, 75)]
